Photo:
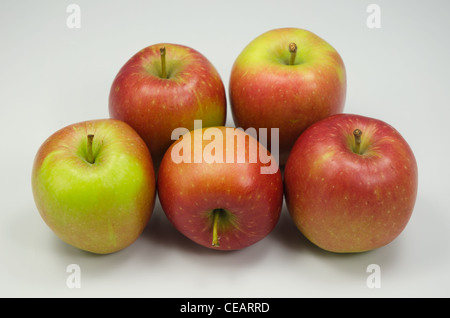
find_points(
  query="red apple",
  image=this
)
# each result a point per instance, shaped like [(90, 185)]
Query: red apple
[(286, 78), (94, 185), (347, 191), (165, 86), (214, 187)]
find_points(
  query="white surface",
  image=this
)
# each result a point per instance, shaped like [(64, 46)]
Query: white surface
[(52, 76)]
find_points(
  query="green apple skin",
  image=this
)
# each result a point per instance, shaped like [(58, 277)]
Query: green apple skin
[(189, 192), (155, 106), (101, 207), (266, 92), (349, 202)]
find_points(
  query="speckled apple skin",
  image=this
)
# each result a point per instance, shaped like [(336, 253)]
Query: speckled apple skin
[(101, 207), (188, 192), (266, 92), (346, 202), (155, 106)]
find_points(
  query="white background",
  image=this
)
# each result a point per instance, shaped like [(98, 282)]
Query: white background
[(52, 76)]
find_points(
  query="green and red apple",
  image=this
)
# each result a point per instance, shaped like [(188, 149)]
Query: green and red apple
[(163, 87), (351, 183), (221, 188), (286, 78), (94, 185)]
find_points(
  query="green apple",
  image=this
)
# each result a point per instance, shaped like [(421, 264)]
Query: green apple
[(94, 185), (286, 78)]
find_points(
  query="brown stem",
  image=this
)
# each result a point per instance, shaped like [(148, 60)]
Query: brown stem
[(89, 153), (357, 134), (215, 238), (162, 52), (293, 51)]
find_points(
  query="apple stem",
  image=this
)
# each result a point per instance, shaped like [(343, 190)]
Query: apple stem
[(357, 134), (90, 155), (293, 51), (162, 51), (216, 214)]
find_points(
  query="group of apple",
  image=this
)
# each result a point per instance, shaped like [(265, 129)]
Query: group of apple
[(349, 181)]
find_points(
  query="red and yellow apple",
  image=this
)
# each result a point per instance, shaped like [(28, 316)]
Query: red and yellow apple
[(214, 188), (94, 185), (286, 78), (163, 87), (351, 183)]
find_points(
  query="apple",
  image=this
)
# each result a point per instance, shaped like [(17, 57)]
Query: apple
[(94, 185), (165, 86), (351, 183), (286, 78), (218, 193)]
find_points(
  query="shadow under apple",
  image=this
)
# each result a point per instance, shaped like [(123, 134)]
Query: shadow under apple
[(164, 238), (288, 235)]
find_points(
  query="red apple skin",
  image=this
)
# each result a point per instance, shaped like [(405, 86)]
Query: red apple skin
[(265, 92), (346, 202), (188, 191), (154, 106)]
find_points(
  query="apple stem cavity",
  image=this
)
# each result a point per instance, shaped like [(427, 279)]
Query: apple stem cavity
[(89, 153), (216, 215), (357, 134), (293, 51), (162, 52)]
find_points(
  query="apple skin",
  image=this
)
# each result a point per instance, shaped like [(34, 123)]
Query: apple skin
[(101, 207), (266, 92), (155, 106), (346, 202), (190, 191)]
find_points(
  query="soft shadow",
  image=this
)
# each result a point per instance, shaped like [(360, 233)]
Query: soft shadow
[(287, 234), (165, 238), (163, 235), (37, 240)]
